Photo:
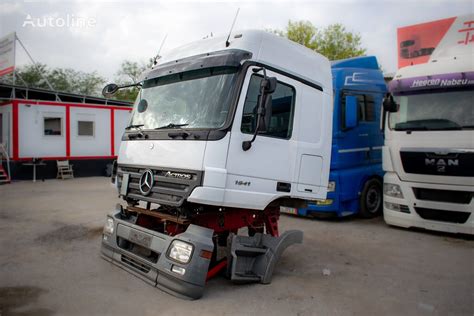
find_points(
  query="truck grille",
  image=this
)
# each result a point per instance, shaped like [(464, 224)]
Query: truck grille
[(138, 250), (459, 164), (171, 186), (448, 196), (135, 264), (442, 216)]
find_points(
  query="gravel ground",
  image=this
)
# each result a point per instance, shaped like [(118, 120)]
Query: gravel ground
[(50, 265)]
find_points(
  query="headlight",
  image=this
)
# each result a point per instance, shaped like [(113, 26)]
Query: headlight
[(393, 190), (332, 186), (109, 226), (180, 251)]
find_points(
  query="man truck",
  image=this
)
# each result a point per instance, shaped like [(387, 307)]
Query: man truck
[(355, 179), (224, 131), (428, 156)]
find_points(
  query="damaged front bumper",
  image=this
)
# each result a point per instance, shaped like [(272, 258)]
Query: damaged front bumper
[(146, 254)]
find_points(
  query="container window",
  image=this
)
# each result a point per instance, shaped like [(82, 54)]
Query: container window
[(52, 126), (85, 128)]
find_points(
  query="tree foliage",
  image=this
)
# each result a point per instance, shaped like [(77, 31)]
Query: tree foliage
[(129, 73), (334, 41), (61, 79)]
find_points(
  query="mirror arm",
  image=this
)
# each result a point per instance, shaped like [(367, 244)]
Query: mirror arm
[(137, 84), (246, 145)]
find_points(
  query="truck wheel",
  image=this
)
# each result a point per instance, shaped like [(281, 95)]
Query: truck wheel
[(371, 199)]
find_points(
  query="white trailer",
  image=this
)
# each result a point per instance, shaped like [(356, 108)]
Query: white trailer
[(89, 135)]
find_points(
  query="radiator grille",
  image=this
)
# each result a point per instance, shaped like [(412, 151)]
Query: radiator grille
[(171, 186), (450, 164), (442, 216), (135, 264), (448, 196)]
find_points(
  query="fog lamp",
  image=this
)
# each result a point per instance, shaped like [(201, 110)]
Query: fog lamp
[(178, 270), (324, 202)]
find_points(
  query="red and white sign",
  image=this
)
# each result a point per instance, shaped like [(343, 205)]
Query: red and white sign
[(7, 54), (417, 44)]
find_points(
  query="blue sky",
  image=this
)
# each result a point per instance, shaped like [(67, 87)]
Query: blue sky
[(134, 30)]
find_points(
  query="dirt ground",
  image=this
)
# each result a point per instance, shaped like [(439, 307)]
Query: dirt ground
[(50, 265)]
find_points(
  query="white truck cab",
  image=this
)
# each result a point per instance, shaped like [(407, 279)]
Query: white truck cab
[(223, 133), (428, 156)]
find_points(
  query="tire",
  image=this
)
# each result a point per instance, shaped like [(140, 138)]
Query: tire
[(371, 199)]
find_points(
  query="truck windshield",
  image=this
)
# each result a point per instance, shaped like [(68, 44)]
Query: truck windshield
[(193, 99), (434, 111)]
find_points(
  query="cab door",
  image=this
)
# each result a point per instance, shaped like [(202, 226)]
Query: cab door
[(355, 145), (275, 161)]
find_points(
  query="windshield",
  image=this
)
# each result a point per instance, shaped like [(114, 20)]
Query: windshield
[(434, 111), (194, 99)]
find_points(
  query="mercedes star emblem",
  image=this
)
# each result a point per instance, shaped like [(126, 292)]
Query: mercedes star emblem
[(146, 182)]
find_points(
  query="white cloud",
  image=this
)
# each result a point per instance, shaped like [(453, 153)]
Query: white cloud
[(135, 30)]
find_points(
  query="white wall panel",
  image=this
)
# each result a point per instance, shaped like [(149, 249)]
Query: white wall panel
[(99, 143), (122, 118), (32, 141), (6, 111)]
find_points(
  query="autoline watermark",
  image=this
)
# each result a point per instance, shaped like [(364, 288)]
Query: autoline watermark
[(69, 20)]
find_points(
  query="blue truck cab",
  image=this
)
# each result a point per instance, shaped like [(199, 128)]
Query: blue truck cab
[(355, 180)]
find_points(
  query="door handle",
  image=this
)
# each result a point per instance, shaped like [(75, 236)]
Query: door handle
[(363, 135)]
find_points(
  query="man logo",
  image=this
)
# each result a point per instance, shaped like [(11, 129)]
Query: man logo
[(441, 163), (146, 182)]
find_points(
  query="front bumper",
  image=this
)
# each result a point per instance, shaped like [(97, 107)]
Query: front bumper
[(142, 252), (414, 219)]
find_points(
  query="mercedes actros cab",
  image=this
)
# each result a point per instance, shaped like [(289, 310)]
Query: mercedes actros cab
[(428, 155), (355, 180), (223, 133)]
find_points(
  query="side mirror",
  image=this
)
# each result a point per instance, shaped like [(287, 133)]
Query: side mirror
[(389, 104), (264, 111), (109, 90), (269, 85), (351, 112)]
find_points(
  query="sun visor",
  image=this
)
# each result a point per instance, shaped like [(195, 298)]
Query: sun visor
[(228, 57)]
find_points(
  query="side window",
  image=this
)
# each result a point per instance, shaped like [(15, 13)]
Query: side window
[(366, 107), (52, 126), (369, 108), (283, 104)]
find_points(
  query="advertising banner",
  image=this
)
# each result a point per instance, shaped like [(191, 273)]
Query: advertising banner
[(417, 44), (7, 54)]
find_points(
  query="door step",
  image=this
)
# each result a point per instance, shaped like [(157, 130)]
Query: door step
[(252, 259), (4, 178)]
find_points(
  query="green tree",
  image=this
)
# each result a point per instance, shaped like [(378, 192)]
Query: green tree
[(301, 32), (334, 41), (61, 79), (129, 73)]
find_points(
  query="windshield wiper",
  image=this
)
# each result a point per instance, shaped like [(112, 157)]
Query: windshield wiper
[(138, 134), (468, 127), (172, 125), (134, 126)]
